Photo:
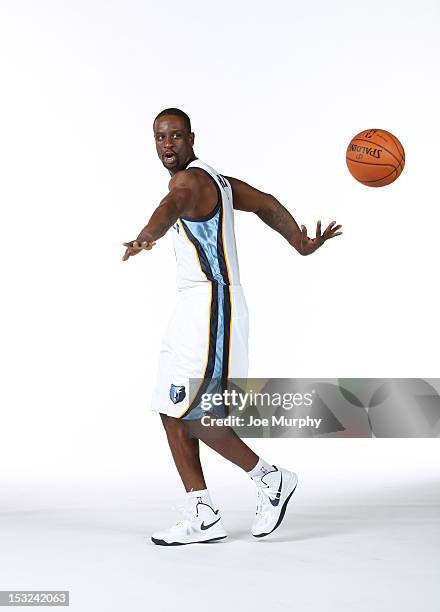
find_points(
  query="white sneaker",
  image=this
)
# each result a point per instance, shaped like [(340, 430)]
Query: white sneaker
[(274, 491), (200, 524)]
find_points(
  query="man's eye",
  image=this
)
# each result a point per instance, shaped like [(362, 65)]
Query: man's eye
[(159, 137), (176, 135)]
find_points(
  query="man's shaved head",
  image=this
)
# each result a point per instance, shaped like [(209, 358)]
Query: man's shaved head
[(176, 112)]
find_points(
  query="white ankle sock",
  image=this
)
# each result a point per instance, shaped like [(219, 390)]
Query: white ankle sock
[(260, 469), (197, 497)]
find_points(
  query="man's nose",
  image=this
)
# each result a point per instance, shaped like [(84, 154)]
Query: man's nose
[(167, 142)]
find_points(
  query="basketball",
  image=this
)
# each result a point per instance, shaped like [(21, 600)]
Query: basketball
[(375, 158)]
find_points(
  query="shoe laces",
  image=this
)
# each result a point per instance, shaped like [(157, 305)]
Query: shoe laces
[(264, 493), (188, 514)]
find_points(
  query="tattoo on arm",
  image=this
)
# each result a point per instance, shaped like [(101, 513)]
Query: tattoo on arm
[(151, 235), (279, 218), (161, 220)]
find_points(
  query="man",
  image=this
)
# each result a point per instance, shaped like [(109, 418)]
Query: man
[(207, 338)]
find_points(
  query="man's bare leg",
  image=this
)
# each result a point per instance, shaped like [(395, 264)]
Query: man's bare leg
[(185, 449), (226, 442)]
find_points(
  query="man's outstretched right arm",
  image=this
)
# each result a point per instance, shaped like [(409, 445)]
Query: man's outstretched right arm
[(276, 216), (183, 190)]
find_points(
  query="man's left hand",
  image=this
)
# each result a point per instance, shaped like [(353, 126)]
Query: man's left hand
[(309, 245)]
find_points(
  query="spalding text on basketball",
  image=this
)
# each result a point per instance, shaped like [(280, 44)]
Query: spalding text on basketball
[(366, 150)]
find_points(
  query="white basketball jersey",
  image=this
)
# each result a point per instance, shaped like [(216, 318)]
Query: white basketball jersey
[(205, 246), (207, 339)]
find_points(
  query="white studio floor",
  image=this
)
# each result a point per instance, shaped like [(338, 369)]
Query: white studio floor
[(352, 542)]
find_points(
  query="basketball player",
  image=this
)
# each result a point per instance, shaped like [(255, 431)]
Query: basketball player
[(207, 337)]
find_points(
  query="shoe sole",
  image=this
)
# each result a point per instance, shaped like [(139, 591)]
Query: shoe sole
[(282, 513), (163, 543)]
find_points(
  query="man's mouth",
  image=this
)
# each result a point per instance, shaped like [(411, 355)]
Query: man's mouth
[(169, 157)]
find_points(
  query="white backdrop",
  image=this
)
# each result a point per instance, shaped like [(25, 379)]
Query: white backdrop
[(275, 91)]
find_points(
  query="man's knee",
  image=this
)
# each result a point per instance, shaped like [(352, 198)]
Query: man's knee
[(173, 425)]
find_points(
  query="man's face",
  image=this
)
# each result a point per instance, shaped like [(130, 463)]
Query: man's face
[(174, 144)]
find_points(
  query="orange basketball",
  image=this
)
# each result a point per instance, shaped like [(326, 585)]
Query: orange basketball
[(375, 158)]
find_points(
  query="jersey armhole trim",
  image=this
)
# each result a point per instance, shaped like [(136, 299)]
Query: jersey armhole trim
[(216, 208)]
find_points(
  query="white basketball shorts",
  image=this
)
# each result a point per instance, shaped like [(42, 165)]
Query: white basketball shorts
[(207, 338)]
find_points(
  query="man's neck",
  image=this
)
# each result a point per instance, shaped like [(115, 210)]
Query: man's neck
[(191, 159)]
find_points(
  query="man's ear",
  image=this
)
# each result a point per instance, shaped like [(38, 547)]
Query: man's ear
[(192, 138)]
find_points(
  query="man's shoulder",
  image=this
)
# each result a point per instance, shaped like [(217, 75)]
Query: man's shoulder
[(184, 178), (190, 178)]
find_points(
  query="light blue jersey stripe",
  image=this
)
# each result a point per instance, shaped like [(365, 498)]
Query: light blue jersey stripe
[(206, 233)]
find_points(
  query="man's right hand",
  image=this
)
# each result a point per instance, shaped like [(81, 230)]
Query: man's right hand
[(134, 247)]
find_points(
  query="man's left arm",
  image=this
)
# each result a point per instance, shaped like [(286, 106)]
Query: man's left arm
[(276, 216)]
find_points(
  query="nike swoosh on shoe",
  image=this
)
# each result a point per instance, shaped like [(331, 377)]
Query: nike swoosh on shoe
[(276, 501), (203, 526)]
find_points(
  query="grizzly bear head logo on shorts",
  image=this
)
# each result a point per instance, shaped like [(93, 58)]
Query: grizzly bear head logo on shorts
[(177, 393)]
